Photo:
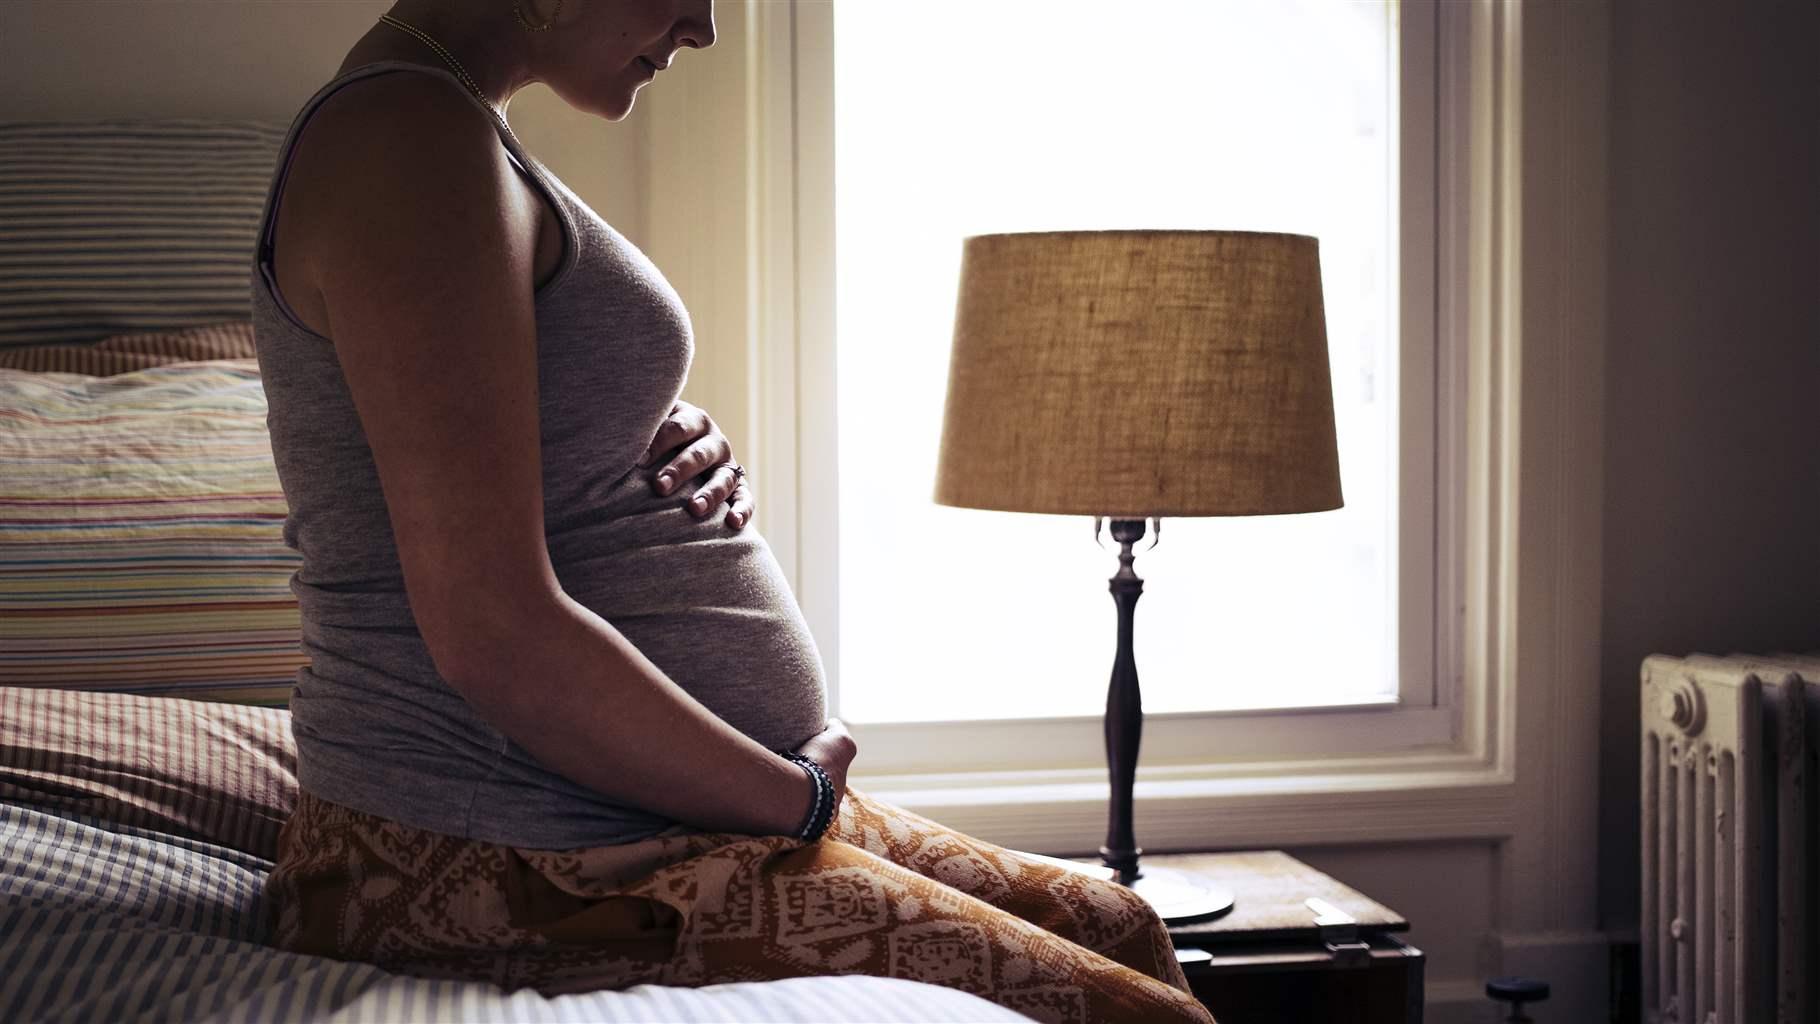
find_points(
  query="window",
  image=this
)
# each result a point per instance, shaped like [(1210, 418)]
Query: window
[(962, 642), (1497, 186), (1043, 114)]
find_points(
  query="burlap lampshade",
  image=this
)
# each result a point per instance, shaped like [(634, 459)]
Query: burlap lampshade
[(1132, 374)]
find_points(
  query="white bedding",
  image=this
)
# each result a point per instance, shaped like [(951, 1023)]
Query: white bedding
[(103, 922)]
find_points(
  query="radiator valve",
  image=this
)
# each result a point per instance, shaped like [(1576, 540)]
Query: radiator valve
[(1682, 706)]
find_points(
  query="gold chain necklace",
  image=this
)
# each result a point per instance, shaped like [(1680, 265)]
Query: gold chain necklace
[(449, 59)]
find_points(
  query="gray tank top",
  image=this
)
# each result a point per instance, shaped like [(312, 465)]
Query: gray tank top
[(376, 728)]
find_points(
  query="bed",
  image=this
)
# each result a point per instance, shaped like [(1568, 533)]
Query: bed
[(147, 631)]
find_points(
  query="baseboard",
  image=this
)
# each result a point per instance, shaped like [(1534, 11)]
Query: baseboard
[(1576, 966), (1458, 1002)]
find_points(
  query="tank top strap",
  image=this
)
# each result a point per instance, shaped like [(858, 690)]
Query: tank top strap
[(526, 164)]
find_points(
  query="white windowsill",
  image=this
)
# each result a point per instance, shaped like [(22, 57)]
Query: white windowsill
[(1063, 812)]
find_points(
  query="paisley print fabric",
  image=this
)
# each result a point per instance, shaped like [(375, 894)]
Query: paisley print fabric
[(886, 892)]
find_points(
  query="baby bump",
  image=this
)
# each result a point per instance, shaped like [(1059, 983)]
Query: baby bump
[(716, 615)]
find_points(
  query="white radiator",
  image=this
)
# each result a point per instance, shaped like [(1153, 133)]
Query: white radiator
[(1730, 930)]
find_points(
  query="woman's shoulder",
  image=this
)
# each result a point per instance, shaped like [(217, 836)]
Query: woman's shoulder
[(400, 109), (392, 135), (387, 169)]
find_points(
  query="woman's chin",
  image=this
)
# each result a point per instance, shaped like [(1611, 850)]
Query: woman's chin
[(611, 101), (616, 108), (613, 110)]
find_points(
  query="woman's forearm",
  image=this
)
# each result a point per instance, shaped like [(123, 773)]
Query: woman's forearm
[(567, 686)]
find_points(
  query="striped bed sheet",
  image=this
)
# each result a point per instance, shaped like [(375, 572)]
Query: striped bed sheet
[(224, 774), (141, 350), (106, 922)]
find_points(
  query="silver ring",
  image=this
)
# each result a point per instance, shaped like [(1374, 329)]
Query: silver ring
[(738, 470)]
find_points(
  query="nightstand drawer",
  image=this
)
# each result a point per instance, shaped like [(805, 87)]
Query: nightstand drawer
[(1283, 983)]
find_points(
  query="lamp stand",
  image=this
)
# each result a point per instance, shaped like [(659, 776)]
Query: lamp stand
[(1177, 896)]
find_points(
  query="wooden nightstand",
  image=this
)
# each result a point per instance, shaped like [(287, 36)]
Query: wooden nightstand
[(1269, 961)]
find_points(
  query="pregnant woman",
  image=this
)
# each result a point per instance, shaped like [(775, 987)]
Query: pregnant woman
[(563, 724)]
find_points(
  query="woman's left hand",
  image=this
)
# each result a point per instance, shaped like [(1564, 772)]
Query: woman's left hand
[(706, 453)]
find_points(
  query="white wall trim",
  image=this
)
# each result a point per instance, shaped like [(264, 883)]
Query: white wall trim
[(771, 287), (1556, 306), (1068, 819), (1427, 556), (1550, 304), (1577, 965), (1457, 1002)]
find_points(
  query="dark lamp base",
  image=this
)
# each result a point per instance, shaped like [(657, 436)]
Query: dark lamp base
[(1177, 896), (1180, 897)]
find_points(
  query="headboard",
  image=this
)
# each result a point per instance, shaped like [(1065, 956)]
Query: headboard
[(112, 227)]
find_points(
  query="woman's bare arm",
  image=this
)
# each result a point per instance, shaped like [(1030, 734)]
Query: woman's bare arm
[(420, 246)]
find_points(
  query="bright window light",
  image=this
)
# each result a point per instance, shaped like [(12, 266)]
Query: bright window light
[(961, 117)]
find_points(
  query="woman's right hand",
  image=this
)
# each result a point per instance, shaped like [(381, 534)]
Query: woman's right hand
[(834, 749)]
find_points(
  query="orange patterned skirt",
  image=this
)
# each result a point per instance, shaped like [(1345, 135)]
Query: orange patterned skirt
[(885, 892)]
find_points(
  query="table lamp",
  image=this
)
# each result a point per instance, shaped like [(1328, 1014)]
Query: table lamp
[(1132, 375)]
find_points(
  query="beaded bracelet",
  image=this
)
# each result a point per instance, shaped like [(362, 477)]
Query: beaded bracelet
[(816, 775), (821, 813)]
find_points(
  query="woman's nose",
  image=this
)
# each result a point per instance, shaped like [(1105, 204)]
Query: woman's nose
[(697, 28)]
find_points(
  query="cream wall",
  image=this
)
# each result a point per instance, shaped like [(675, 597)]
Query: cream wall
[(261, 60), (1712, 491)]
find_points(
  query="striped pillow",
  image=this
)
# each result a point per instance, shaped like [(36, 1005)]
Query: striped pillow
[(115, 226), (128, 352), (141, 545)]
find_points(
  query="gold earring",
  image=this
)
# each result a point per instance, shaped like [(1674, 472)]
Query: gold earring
[(518, 11)]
